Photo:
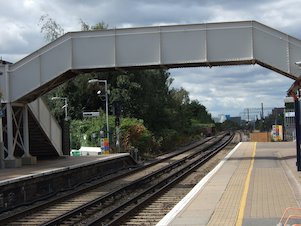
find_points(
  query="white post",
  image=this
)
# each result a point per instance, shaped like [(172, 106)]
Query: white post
[(66, 109), (107, 110), (9, 118), (117, 139), (107, 103), (26, 131), (10, 131)]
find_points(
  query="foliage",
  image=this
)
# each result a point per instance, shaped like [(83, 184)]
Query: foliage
[(228, 125), (135, 134), (86, 132), (270, 120), (51, 29), (98, 26)]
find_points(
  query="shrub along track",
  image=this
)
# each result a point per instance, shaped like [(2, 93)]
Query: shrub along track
[(103, 201)]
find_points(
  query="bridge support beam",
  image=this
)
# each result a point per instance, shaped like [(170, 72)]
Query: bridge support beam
[(10, 161), (27, 158), (17, 140)]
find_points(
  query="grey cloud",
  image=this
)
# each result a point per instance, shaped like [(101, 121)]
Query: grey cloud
[(230, 89)]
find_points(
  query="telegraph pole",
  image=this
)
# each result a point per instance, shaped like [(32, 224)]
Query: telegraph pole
[(1, 137)]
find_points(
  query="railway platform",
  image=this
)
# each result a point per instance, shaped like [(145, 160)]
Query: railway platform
[(31, 183), (253, 185), (53, 165)]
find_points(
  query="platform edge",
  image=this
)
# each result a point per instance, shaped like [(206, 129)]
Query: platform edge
[(167, 219)]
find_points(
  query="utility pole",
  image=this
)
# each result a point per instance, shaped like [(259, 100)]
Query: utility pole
[(117, 111), (107, 104), (1, 137)]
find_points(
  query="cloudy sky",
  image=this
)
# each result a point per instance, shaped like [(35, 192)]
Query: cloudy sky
[(223, 90)]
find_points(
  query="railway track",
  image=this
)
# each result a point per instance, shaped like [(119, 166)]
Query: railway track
[(107, 202), (155, 209)]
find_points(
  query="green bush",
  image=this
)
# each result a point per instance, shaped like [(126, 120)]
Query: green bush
[(133, 133), (169, 139), (86, 132)]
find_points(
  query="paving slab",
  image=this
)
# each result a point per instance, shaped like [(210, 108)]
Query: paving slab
[(255, 184)]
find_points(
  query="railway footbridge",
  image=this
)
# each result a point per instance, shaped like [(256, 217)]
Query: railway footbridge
[(197, 45)]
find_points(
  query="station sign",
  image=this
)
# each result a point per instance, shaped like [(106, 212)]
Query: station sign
[(104, 145), (90, 114), (277, 133), (289, 114)]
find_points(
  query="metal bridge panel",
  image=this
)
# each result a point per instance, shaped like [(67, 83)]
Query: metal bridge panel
[(34, 107), (137, 49), (48, 123), (224, 43), (25, 78), (56, 135), (91, 52), (229, 44), (2, 83), (184, 46), (44, 118), (294, 56), (271, 49), (55, 61)]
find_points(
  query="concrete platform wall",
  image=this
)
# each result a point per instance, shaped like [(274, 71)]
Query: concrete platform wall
[(28, 189)]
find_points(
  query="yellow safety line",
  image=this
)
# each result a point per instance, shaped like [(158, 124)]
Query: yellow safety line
[(244, 196)]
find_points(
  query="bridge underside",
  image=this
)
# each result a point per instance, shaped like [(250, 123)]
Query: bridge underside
[(214, 44)]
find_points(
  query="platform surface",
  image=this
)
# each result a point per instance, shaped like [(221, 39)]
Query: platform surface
[(253, 185), (51, 166)]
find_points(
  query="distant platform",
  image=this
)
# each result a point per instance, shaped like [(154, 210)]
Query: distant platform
[(30, 183), (253, 185), (53, 165)]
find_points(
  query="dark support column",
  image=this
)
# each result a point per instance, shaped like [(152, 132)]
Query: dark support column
[(294, 91), (66, 137), (297, 123)]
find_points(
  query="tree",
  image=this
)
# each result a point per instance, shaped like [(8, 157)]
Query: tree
[(50, 28), (199, 112), (98, 26)]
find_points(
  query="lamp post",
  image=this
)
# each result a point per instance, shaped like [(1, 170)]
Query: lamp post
[(107, 103), (65, 106)]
